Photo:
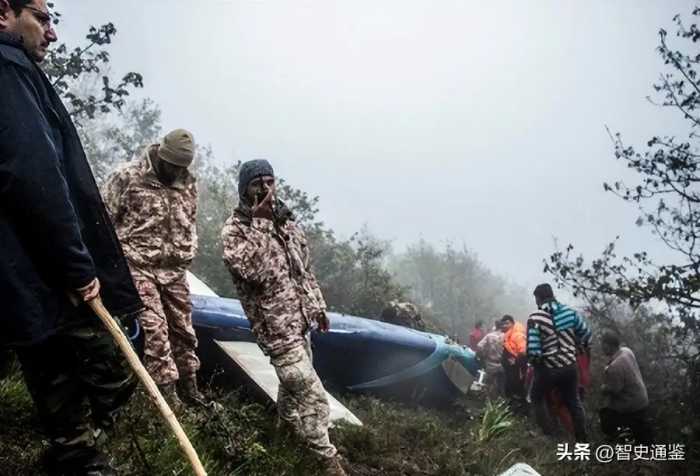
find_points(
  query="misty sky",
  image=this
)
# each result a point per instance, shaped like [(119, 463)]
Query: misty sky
[(475, 122)]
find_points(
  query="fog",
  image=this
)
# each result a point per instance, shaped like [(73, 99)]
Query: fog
[(479, 123)]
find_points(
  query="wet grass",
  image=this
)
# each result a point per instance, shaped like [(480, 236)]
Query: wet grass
[(397, 438)]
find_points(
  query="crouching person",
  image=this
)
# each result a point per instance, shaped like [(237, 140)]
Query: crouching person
[(268, 258), (153, 204)]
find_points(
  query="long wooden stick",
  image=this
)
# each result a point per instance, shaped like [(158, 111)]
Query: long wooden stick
[(133, 359)]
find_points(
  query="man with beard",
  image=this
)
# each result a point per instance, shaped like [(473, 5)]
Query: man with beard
[(153, 204), (268, 257), (59, 251)]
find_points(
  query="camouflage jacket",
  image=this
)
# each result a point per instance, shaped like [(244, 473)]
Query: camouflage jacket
[(156, 224), (270, 268)]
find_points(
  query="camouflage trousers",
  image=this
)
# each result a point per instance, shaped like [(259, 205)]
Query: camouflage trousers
[(170, 341), (302, 400), (78, 380)]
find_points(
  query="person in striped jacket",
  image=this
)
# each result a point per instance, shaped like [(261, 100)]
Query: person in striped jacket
[(554, 332)]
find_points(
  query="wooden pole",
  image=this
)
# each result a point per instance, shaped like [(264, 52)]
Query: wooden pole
[(143, 375)]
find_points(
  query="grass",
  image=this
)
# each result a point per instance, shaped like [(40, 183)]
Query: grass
[(496, 421), (469, 438)]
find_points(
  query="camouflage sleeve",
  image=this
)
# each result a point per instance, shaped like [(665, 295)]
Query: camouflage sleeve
[(112, 193), (193, 221), (318, 293), (241, 256), (312, 277)]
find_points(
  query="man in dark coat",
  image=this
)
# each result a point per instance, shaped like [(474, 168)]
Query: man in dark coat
[(57, 250)]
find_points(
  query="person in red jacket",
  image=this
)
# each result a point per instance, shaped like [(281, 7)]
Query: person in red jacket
[(476, 335)]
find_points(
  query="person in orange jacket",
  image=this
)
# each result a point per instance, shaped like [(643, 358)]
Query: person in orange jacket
[(514, 361)]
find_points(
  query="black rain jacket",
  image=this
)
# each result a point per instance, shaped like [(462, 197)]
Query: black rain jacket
[(55, 234)]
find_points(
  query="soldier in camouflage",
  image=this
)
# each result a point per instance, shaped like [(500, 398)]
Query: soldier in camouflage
[(268, 257), (77, 426), (153, 204)]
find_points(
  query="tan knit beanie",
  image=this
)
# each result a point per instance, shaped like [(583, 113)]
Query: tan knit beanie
[(177, 148)]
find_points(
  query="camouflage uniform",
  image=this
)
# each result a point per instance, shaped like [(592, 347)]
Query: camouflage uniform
[(302, 400), (269, 264), (403, 314), (156, 225), (78, 380)]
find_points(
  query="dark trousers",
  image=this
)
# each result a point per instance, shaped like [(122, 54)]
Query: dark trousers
[(514, 377), (514, 383), (78, 381), (612, 422), (5, 362), (565, 380)]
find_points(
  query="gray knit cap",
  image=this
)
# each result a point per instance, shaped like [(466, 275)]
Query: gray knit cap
[(251, 170)]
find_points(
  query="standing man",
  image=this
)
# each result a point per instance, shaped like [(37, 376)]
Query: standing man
[(554, 332), (514, 361), (59, 250), (153, 204), (476, 335), (627, 399), (268, 257)]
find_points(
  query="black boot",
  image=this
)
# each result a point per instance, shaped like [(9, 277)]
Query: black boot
[(77, 462), (99, 466), (189, 392), (170, 394), (332, 466)]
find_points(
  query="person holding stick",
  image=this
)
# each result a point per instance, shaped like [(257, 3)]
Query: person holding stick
[(59, 251)]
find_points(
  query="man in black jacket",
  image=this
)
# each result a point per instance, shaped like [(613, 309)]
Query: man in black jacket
[(57, 250)]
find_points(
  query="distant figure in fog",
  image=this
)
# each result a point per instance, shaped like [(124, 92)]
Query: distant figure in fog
[(623, 386), (476, 335), (514, 361), (490, 350), (403, 314)]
